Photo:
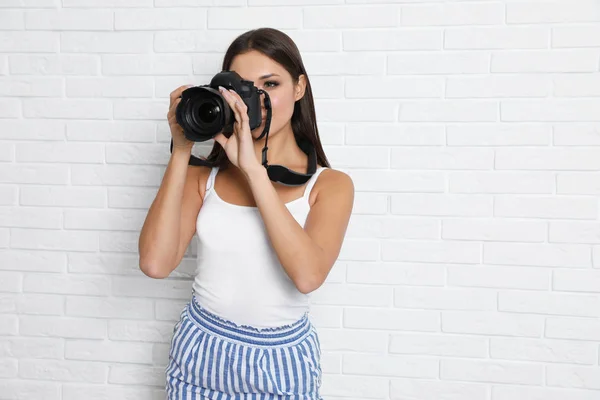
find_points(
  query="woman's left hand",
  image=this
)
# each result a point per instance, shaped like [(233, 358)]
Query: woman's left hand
[(239, 147)]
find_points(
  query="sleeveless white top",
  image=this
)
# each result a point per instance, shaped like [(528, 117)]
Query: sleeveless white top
[(238, 274)]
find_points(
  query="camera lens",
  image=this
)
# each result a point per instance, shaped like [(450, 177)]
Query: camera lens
[(208, 112), (203, 113)]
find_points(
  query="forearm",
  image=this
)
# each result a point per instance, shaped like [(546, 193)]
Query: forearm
[(299, 255), (160, 234)]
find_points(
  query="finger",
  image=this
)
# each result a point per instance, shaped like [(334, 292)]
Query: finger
[(221, 139), (172, 110), (228, 96), (177, 93), (242, 107)]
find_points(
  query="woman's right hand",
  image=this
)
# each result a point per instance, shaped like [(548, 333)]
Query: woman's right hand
[(179, 139)]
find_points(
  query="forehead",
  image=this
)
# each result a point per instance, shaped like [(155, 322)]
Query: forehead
[(253, 64)]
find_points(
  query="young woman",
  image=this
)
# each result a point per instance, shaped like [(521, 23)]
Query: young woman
[(262, 246)]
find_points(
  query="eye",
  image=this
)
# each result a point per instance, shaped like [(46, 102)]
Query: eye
[(271, 84)]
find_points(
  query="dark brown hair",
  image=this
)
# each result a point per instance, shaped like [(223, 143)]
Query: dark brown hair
[(280, 48)]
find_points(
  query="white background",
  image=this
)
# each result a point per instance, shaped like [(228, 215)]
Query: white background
[(471, 268)]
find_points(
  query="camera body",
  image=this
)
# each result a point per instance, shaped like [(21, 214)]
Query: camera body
[(203, 112)]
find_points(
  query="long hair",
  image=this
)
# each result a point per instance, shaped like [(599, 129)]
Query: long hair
[(281, 48)]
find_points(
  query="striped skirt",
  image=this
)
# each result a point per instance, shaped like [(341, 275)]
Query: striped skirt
[(212, 358)]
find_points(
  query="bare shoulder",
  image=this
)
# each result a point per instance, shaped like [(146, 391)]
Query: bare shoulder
[(333, 183), (200, 174)]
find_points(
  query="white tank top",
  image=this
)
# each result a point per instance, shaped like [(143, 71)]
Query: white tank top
[(238, 274)]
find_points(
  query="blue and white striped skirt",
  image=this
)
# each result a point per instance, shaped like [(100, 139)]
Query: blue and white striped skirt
[(212, 358)]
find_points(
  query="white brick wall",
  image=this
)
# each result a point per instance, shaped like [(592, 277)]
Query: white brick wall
[(471, 268)]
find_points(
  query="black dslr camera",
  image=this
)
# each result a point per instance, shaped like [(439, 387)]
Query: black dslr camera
[(203, 112)]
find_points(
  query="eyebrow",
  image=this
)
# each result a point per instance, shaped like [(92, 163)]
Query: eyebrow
[(267, 76)]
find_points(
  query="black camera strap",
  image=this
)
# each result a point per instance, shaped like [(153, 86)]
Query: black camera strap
[(276, 173)]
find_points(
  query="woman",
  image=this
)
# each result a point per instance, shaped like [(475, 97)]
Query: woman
[(262, 246)]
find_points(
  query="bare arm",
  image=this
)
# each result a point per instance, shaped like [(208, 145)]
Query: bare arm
[(171, 220), (307, 254)]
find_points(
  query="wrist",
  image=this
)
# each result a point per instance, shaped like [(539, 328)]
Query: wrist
[(183, 147), (255, 173)]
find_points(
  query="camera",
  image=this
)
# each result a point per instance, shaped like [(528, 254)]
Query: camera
[(203, 112)]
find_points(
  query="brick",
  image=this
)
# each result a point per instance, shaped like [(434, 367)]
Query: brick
[(548, 159), (23, 86), (16, 389), (392, 319), (430, 389), (550, 351), (551, 11), (580, 183), (56, 152), (549, 303), (506, 392), (538, 254), (432, 204), (577, 85), (545, 61), (353, 295), (490, 276), (345, 64), (392, 39), (444, 299), (573, 134), (439, 345), (567, 376), (494, 134), (67, 108), (54, 64), (501, 182), (545, 207), (493, 37), (119, 352), (408, 366), (10, 108), (448, 111), (492, 371), (573, 328), (106, 3), (111, 131), (62, 327), (45, 239), (160, 19), (431, 251), (102, 307), (249, 18), (494, 230), (106, 42), (29, 42), (442, 159), (350, 17), (386, 134), (355, 340), (393, 88), (212, 40), (453, 14), (491, 323), (455, 62), (498, 86), (63, 371), (31, 217), (577, 281), (69, 19), (576, 36), (367, 226)]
